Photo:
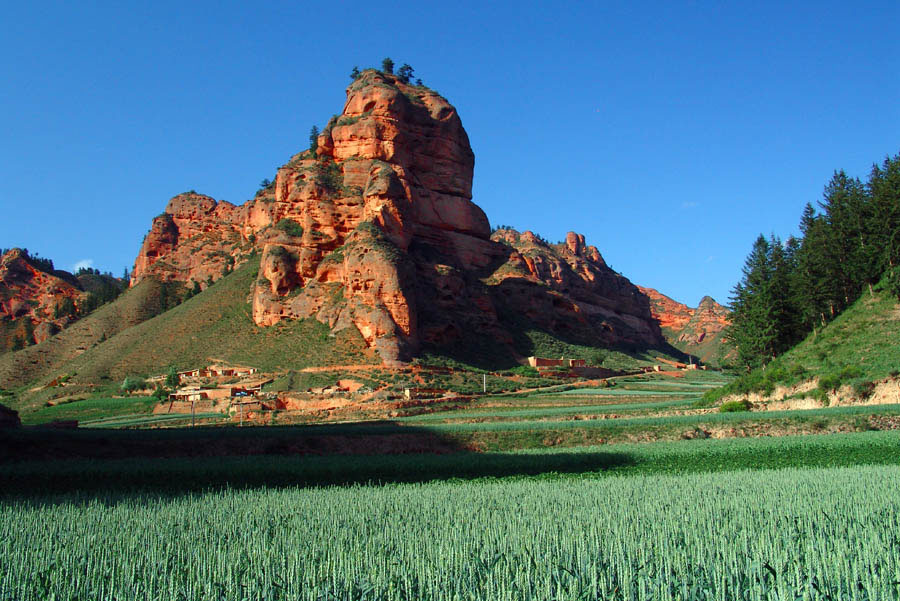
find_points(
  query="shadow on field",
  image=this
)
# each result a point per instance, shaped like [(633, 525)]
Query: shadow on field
[(171, 462)]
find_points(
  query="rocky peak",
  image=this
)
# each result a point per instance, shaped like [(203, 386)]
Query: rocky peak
[(375, 228), (30, 298), (196, 239), (670, 314), (696, 331)]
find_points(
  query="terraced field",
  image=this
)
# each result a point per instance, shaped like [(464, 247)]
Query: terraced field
[(620, 492)]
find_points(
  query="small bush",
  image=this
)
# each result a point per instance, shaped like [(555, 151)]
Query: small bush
[(835, 379), (525, 370), (863, 389), (290, 227), (735, 406), (133, 384)]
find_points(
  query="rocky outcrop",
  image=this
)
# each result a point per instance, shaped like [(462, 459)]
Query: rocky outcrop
[(709, 320), (577, 295), (35, 302), (196, 239), (696, 331), (374, 228)]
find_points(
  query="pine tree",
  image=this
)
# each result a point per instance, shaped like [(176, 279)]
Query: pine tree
[(354, 73), (387, 66), (752, 329), (884, 190), (783, 309), (405, 73), (850, 255), (313, 139)]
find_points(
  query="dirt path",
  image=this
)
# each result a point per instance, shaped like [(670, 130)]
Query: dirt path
[(310, 370)]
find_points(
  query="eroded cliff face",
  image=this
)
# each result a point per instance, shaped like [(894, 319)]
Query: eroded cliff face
[(696, 331), (375, 229), (31, 300), (196, 239), (577, 296)]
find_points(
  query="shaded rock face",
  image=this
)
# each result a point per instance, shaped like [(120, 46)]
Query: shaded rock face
[(567, 289), (697, 331), (30, 297), (375, 229)]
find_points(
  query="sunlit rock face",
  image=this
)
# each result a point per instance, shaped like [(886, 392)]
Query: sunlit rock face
[(375, 229)]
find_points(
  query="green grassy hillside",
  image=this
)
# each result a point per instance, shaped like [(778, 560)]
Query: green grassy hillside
[(860, 346), (216, 325), (43, 361)]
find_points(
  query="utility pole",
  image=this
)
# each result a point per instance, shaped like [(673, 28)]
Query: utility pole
[(192, 414), (484, 383)]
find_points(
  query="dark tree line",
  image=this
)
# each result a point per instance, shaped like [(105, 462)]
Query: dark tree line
[(848, 245)]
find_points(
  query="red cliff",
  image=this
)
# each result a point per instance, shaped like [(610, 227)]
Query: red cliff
[(35, 302), (697, 331), (375, 229)]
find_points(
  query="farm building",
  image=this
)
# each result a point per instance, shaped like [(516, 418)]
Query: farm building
[(539, 362), (214, 371)]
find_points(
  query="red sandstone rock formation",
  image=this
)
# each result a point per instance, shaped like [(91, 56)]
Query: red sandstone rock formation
[(578, 295), (669, 313), (196, 239), (696, 331), (376, 230), (29, 297)]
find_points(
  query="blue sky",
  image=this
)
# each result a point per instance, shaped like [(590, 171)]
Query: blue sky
[(669, 134)]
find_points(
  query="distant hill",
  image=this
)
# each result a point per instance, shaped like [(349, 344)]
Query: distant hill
[(696, 331), (214, 325), (43, 361), (37, 301)]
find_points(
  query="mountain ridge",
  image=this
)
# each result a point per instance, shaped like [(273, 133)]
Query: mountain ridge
[(373, 227), (371, 233)]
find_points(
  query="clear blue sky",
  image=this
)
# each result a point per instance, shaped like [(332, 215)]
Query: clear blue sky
[(670, 134)]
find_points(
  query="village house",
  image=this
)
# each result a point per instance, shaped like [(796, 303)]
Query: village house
[(539, 362)]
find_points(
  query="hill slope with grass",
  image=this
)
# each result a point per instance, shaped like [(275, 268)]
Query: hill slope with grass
[(42, 362), (857, 350), (214, 325)]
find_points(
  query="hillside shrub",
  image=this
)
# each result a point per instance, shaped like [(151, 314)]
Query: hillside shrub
[(328, 175), (863, 388), (760, 380), (133, 384), (290, 227), (835, 379), (735, 406), (525, 370)]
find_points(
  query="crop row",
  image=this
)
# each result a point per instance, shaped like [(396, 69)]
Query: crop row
[(767, 535)]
